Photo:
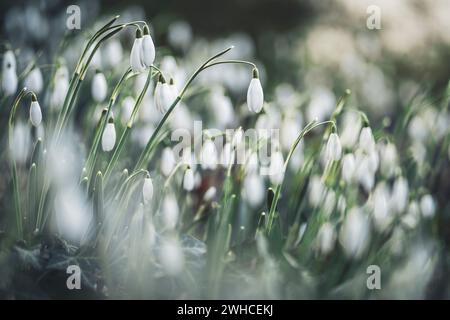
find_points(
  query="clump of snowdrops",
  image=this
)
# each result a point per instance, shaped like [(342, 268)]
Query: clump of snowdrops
[(96, 182)]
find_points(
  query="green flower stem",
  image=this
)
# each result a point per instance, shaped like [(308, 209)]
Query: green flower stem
[(310, 126), (22, 94)]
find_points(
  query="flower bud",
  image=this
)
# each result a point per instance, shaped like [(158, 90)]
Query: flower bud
[(109, 136), (136, 54), (255, 94), (147, 189), (354, 235), (334, 149), (148, 48), (167, 161), (163, 95), (210, 194), (348, 167), (208, 156), (35, 111), (366, 140), (188, 179)]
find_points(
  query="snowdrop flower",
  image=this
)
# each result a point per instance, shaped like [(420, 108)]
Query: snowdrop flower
[(411, 218), (366, 140), (109, 136), (316, 191), (208, 155), (389, 158), (9, 75), (381, 213), (334, 149), (35, 111), (170, 211), (255, 94), (210, 194), (348, 167), (427, 206), (326, 238), (171, 256), (147, 189), (163, 95), (351, 129), (354, 235), (276, 169), (188, 179), (136, 62), (127, 109), (99, 87), (329, 202), (148, 48), (399, 198), (61, 87), (167, 161), (364, 173), (254, 190), (34, 81)]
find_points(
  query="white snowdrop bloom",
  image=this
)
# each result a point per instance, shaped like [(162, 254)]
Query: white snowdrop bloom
[(255, 94), (35, 112), (34, 81), (373, 160), (399, 197), (321, 105), (167, 161), (348, 167), (208, 155), (326, 238), (254, 189), (354, 235), (21, 142), (99, 87), (188, 180), (170, 211), (210, 194), (171, 257), (316, 191), (109, 136), (180, 35), (276, 169), (61, 87), (417, 129), (112, 53), (227, 155), (163, 95), (127, 109), (363, 174), (148, 48), (351, 128), (366, 140), (197, 179), (147, 189), (380, 201), (427, 206), (334, 148), (412, 217), (329, 202), (136, 62), (9, 75), (388, 159)]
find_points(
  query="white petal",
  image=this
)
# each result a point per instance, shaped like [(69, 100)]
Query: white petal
[(147, 190), (255, 96), (148, 50), (135, 56), (35, 113), (188, 180), (109, 137), (99, 87)]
